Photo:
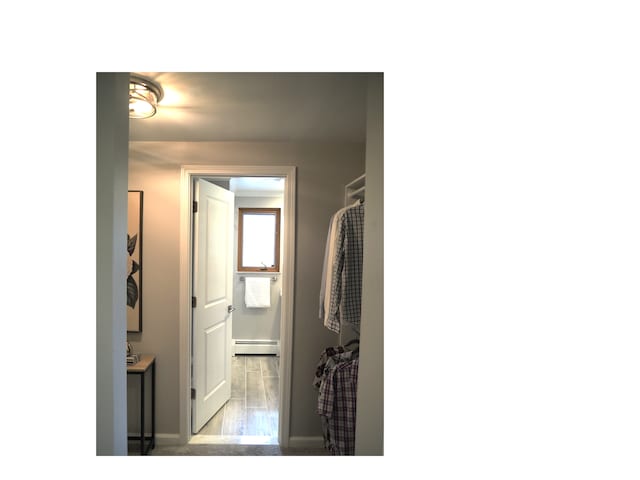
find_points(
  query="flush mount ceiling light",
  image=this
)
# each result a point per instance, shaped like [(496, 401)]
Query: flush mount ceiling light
[(144, 95)]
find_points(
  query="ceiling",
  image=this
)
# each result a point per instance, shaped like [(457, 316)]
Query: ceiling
[(200, 106), (257, 186)]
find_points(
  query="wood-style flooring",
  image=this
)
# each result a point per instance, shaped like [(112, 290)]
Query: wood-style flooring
[(251, 414), (248, 424)]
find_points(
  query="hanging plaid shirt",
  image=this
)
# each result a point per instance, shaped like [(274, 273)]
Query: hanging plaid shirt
[(326, 354), (337, 402), (346, 284)]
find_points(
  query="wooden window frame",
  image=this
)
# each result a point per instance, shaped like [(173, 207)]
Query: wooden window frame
[(276, 266)]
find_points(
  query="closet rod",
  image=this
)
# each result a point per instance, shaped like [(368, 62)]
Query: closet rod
[(355, 189), (360, 179), (357, 193)]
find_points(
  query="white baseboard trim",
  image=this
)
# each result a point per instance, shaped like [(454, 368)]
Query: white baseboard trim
[(169, 439), (306, 442), (256, 347)]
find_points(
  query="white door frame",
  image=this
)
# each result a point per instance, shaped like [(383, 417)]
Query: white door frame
[(187, 174)]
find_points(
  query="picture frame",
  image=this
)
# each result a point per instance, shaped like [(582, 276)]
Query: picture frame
[(134, 260)]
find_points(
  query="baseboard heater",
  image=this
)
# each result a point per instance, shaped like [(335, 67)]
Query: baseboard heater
[(259, 347)]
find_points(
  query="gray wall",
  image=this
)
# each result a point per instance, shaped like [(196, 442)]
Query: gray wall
[(322, 171), (256, 323), (112, 137), (160, 328), (370, 407)]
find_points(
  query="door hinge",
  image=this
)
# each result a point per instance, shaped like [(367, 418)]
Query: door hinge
[(195, 207), (193, 394), (193, 302)]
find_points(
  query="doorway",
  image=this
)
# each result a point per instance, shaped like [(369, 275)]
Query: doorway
[(268, 370)]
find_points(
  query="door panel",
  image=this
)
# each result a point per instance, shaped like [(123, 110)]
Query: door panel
[(215, 354), (212, 287)]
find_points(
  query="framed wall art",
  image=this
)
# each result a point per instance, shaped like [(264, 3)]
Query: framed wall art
[(134, 261)]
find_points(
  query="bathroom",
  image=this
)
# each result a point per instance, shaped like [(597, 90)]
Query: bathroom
[(256, 329)]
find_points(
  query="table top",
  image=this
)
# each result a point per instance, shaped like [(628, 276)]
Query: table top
[(143, 364)]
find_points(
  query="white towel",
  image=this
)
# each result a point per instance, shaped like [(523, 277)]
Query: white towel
[(257, 292)]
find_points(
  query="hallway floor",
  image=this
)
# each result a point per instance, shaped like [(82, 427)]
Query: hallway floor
[(234, 450), (248, 423)]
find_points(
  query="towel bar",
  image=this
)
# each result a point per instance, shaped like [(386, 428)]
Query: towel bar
[(273, 278)]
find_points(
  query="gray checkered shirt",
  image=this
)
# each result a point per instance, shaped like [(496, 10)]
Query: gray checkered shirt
[(346, 283), (337, 404)]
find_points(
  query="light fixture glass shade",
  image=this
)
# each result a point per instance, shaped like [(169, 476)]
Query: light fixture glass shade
[(144, 96)]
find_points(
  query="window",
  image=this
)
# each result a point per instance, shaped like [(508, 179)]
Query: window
[(258, 239)]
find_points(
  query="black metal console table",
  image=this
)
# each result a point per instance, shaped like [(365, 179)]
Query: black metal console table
[(141, 368)]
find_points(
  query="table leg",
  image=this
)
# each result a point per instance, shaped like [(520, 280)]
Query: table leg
[(153, 405), (142, 414)]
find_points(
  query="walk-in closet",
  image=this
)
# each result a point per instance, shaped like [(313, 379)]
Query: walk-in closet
[(336, 375)]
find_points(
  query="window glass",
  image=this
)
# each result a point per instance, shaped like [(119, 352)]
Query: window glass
[(259, 239)]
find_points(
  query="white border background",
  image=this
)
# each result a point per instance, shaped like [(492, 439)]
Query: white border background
[(511, 133)]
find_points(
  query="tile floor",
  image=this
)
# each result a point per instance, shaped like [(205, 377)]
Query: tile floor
[(251, 414)]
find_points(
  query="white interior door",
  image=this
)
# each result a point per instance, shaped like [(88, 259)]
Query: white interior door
[(213, 292)]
